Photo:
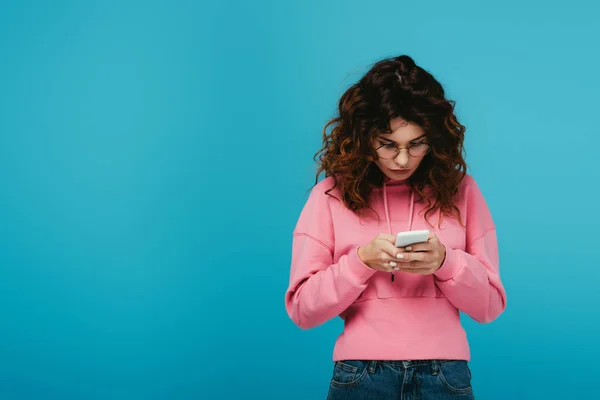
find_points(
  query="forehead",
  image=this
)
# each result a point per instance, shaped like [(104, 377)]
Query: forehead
[(403, 131)]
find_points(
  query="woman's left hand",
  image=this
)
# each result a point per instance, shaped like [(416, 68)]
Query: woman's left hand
[(423, 258)]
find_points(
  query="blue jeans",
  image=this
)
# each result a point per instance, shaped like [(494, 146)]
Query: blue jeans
[(401, 380)]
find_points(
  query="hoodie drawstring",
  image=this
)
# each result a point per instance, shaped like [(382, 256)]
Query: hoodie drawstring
[(387, 212)]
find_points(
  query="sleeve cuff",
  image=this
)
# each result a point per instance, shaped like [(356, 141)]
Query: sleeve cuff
[(450, 266), (359, 269)]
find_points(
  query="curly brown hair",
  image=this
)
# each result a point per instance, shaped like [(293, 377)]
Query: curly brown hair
[(394, 87)]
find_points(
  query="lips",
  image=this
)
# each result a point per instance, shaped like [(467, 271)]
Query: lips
[(401, 171)]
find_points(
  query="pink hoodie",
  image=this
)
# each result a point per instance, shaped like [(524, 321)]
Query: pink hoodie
[(415, 316)]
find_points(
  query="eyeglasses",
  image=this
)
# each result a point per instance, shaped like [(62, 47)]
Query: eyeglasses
[(389, 150)]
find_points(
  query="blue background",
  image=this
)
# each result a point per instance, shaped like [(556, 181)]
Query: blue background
[(154, 158)]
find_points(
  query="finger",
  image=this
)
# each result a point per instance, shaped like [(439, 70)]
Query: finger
[(413, 266), (392, 266), (414, 257), (387, 237), (434, 240), (385, 258), (392, 251), (403, 249), (426, 246)]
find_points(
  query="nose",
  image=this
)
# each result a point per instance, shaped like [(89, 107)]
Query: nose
[(402, 158)]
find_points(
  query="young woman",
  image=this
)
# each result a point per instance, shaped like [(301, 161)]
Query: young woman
[(393, 162)]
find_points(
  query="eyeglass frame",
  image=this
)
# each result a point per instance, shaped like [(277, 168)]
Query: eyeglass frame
[(398, 149)]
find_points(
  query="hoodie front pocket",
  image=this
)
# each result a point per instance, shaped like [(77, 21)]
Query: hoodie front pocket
[(405, 284)]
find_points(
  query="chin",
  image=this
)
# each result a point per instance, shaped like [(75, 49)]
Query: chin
[(403, 174), (398, 177)]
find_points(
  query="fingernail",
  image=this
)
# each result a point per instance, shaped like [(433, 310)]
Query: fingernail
[(393, 264), (408, 248), (400, 255), (397, 269)]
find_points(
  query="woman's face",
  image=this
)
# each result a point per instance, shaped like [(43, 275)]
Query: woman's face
[(401, 151)]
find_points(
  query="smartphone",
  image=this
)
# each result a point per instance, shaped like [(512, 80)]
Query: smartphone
[(404, 239)]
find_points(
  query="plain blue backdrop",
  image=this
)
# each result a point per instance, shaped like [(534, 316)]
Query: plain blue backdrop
[(155, 155)]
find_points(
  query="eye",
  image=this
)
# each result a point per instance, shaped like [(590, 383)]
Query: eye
[(388, 145), (415, 144)]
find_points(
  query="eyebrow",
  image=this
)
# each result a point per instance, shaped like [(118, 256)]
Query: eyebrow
[(391, 141)]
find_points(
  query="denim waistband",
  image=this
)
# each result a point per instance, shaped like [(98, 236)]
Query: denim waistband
[(409, 363)]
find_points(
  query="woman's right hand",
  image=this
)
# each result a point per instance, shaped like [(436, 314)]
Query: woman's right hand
[(381, 253)]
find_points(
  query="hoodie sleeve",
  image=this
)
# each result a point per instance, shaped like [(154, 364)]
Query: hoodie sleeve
[(470, 279), (319, 287)]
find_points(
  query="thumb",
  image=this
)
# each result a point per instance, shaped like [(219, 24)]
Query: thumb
[(387, 237)]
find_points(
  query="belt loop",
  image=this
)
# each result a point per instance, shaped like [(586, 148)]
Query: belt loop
[(372, 366), (435, 368)]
